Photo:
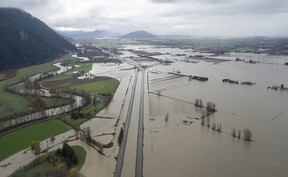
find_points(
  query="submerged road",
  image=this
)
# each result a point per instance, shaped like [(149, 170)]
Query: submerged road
[(119, 163)]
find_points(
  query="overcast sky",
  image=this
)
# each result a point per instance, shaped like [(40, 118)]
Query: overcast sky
[(183, 17)]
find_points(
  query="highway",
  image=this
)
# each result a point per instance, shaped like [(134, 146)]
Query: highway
[(119, 163), (139, 155), (139, 148)]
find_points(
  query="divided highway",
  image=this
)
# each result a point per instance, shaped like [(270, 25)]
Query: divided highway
[(119, 163), (138, 168), (139, 151), (139, 156)]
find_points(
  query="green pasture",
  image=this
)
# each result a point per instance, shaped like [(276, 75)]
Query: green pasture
[(20, 139)]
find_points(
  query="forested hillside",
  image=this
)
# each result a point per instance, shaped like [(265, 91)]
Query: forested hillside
[(25, 40)]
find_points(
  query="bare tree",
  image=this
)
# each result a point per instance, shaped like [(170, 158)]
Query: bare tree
[(198, 103), (166, 117), (210, 107), (202, 120), (203, 117), (219, 127), (233, 132), (208, 122), (247, 134), (239, 134), (213, 126)]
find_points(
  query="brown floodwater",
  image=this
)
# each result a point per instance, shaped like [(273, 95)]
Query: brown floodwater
[(173, 148)]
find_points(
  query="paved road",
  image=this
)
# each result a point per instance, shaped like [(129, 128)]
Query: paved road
[(139, 155), (119, 163)]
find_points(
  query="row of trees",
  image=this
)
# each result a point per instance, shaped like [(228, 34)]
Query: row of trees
[(247, 134), (32, 84), (205, 120), (18, 119), (210, 106)]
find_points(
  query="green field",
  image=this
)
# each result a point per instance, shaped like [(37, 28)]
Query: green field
[(111, 46), (20, 139), (244, 49), (81, 155), (11, 103), (45, 165), (69, 59), (105, 86), (81, 67), (54, 102)]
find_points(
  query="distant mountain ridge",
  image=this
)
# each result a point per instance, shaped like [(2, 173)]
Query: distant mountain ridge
[(25, 40), (138, 35), (86, 35)]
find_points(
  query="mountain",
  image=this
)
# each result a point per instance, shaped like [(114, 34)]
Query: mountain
[(138, 35), (93, 34), (25, 40)]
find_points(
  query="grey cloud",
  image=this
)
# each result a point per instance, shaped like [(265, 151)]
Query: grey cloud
[(210, 17), (25, 4), (192, 1)]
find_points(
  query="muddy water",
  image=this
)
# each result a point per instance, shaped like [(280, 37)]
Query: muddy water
[(175, 149)]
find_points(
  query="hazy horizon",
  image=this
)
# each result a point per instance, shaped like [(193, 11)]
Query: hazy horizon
[(231, 18)]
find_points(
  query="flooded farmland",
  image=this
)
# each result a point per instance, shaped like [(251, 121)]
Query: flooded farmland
[(175, 141), (173, 148)]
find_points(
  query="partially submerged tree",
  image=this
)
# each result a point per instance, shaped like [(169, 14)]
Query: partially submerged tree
[(233, 132), (211, 107), (198, 103), (219, 128), (166, 117), (87, 134), (213, 126), (239, 134), (247, 134), (203, 118), (208, 121)]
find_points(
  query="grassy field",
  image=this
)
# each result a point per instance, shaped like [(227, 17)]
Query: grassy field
[(93, 88), (73, 122), (81, 67), (81, 155), (11, 103), (45, 165), (105, 86), (54, 102), (244, 49), (94, 109), (22, 138)]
